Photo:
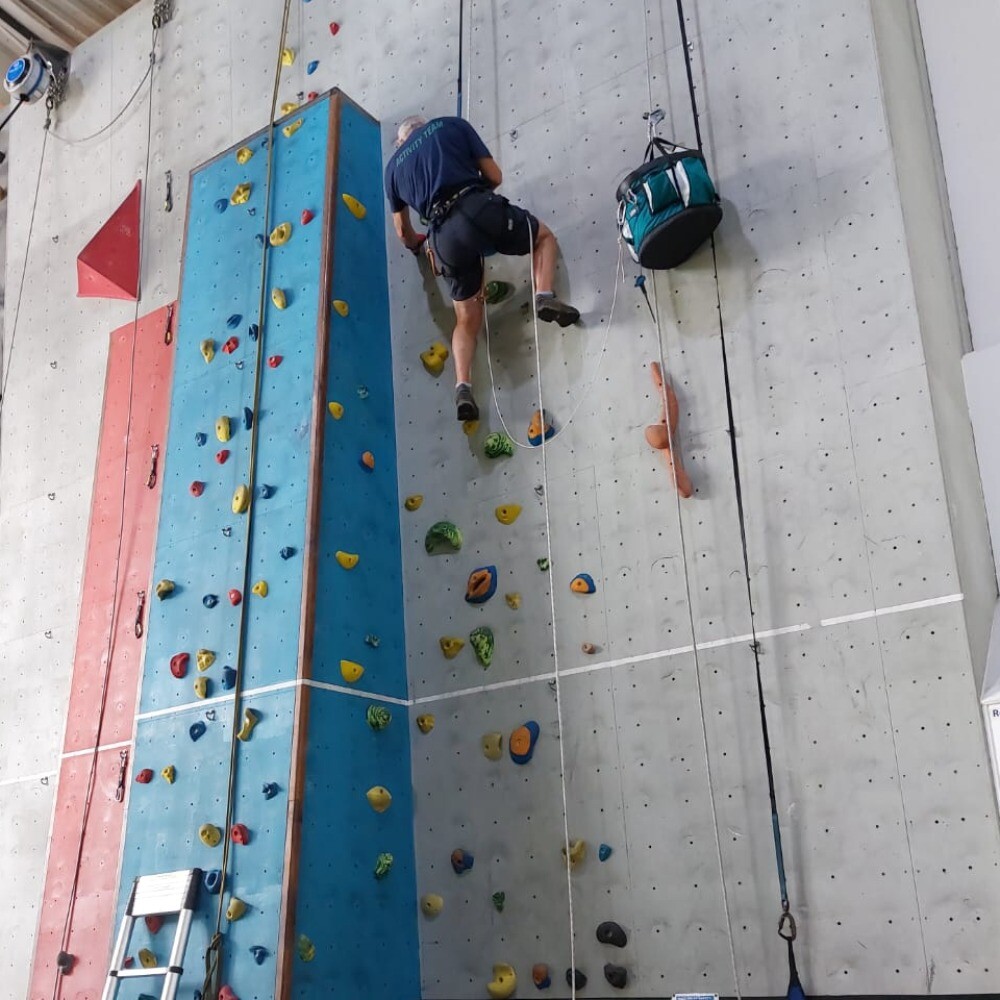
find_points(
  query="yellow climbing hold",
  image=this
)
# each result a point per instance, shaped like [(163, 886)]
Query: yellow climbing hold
[(259, 588), (577, 852), (451, 646), (508, 513), (201, 687), (379, 798), (434, 357), (351, 671), (208, 349), (278, 298), (354, 206), (425, 723), (288, 107), (469, 427), (492, 744), (341, 306), (204, 658), (244, 155), (223, 430), (513, 600), (164, 589), (235, 909), (250, 719), (280, 235), (413, 501), (241, 499), (503, 983), (347, 559), (431, 904), (209, 835), (336, 409), (241, 194), (168, 774), (287, 57), (291, 128), (147, 959)]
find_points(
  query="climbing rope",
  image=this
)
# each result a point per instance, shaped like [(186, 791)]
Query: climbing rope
[(214, 953)]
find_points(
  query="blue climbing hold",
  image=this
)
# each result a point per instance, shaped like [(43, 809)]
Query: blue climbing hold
[(234, 321), (200, 438), (259, 953), (247, 417), (265, 492), (221, 205), (604, 852), (228, 678), (260, 239), (253, 331), (313, 66), (210, 600), (212, 881), (583, 583), (197, 730), (270, 789), (461, 861), (287, 552)]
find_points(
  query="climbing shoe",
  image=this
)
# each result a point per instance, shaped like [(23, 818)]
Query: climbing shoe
[(552, 310), (464, 402)]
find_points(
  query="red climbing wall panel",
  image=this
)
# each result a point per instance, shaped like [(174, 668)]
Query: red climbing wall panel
[(93, 915)]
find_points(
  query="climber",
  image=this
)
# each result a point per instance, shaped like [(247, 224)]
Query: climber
[(444, 171)]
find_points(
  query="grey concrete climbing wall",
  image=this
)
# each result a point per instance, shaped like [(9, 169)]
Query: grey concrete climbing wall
[(887, 809)]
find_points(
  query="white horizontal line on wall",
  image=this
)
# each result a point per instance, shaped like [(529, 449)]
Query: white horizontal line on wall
[(893, 610), (20, 780), (100, 749)]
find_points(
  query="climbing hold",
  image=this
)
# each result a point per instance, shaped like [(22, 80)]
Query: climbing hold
[(241, 499), (612, 933), (362, 392), (498, 444), (334, 27), (348, 560), (239, 834), (434, 357), (274, 360), (543, 563), (243, 155), (379, 798), (241, 194), (212, 881), (222, 456), (499, 899), (234, 320), (425, 723), (226, 992), (227, 531), (208, 350), (496, 291), (201, 687), (164, 589), (413, 501), (250, 719), (223, 430), (253, 331), (289, 130), (469, 427), (210, 600), (221, 205), (288, 107), (280, 235), (371, 639), (616, 975), (589, 648), (577, 852), (259, 588), (483, 644), (196, 488), (247, 417), (451, 646), (508, 513), (351, 671), (287, 57), (540, 976), (168, 774), (540, 429), (305, 948), (307, 216), (431, 904), (354, 206), (604, 852), (278, 298), (367, 461), (341, 307), (204, 658), (228, 678), (461, 861), (492, 745), (513, 600), (200, 438), (522, 742), (209, 835), (383, 865), (583, 583), (378, 717), (286, 552), (154, 923), (336, 409), (179, 664), (503, 983), (311, 68), (230, 345), (575, 978), (259, 953), (147, 959), (145, 776), (235, 909), (442, 537), (482, 585)]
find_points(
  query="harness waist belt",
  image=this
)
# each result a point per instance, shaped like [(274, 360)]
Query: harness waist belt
[(440, 209)]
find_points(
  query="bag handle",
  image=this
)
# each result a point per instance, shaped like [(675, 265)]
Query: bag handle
[(662, 146)]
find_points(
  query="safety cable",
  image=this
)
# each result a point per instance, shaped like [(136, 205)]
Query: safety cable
[(214, 952), (115, 598)]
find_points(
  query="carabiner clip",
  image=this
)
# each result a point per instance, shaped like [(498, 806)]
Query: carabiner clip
[(140, 607), (151, 481), (786, 925)]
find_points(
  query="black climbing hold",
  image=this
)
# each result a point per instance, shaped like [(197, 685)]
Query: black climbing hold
[(252, 331), (234, 321), (611, 933), (210, 600), (247, 417), (212, 881), (270, 789), (200, 438), (265, 492), (65, 962), (228, 678), (287, 552), (259, 237), (616, 975), (576, 977), (259, 953)]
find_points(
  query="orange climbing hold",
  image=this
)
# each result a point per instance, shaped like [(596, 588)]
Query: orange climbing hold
[(367, 461), (663, 435)]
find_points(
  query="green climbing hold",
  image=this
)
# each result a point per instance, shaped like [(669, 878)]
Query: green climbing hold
[(543, 564), (496, 291), (442, 537), (483, 643), (378, 717), (499, 898), (498, 444), (383, 865), (306, 949)]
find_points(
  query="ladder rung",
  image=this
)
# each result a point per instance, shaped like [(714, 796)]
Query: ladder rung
[(160, 970)]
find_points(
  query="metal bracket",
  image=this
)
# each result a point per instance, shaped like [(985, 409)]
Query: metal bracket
[(154, 457), (653, 119), (122, 768)]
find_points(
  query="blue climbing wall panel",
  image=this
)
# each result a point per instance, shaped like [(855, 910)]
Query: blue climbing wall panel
[(365, 930), (206, 549)]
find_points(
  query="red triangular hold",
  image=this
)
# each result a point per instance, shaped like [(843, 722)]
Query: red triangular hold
[(108, 266)]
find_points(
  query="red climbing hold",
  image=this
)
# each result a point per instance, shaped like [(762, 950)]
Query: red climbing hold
[(235, 597), (221, 456), (179, 664), (307, 216), (334, 27), (240, 834), (230, 345), (153, 923), (274, 360), (226, 993), (312, 95), (145, 776), (196, 488)]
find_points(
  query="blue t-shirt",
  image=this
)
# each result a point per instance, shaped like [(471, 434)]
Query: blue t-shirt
[(441, 155)]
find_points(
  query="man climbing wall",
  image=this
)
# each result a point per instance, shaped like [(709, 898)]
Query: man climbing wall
[(443, 169)]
